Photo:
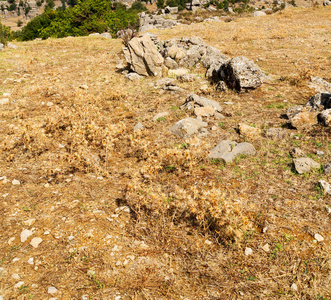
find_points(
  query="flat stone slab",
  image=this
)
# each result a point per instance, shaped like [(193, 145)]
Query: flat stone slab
[(304, 164)]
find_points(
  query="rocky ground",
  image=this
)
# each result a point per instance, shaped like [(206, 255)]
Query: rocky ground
[(102, 198)]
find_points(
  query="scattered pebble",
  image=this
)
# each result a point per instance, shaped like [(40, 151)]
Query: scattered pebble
[(15, 182), (49, 104), (248, 251), (16, 276), (35, 242), (328, 209), (207, 242), (30, 261), (47, 232), (318, 237), (19, 284), (84, 86), (25, 234), (16, 259), (118, 263), (11, 240), (85, 297), (294, 287), (319, 153), (70, 238), (266, 248), (29, 222), (52, 290)]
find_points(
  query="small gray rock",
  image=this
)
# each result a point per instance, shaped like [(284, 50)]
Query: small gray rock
[(223, 151), (12, 46), (325, 186), (327, 168), (133, 76), (138, 126), (52, 290), (25, 234), (187, 127), (244, 149), (276, 133), (304, 164), (160, 115), (106, 35)]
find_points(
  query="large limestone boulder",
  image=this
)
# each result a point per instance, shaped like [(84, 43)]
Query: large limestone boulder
[(302, 117), (241, 74), (320, 101), (143, 58)]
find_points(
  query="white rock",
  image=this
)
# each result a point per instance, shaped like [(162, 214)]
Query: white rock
[(328, 209), (19, 284), (16, 276), (70, 238), (207, 242), (16, 259), (294, 287), (325, 186), (118, 263), (30, 261), (318, 237), (52, 290), (266, 248), (47, 232), (35, 242), (84, 86), (248, 251), (29, 222), (25, 234), (85, 297), (1, 297), (4, 101), (11, 240), (15, 182)]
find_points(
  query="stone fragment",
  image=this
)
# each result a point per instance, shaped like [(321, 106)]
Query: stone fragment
[(30, 261), (178, 72), (327, 168), (25, 234), (304, 164), (304, 119), (296, 152), (52, 290), (35, 242), (248, 251), (15, 182), (142, 56), (221, 86), (16, 276), (320, 101), (29, 222), (4, 101), (294, 287), (187, 127), (249, 132), (160, 115), (259, 13), (19, 284), (205, 111), (266, 248), (106, 35), (276, 133), (325, 117), (138, 126), (318, 237), (320, 85), (243, 149), (241, 74), (325, 186), (133, 76), (186, 77), (194, 101), (170, 63)]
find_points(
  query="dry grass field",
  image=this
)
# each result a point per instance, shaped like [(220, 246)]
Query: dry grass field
[(67, 136)]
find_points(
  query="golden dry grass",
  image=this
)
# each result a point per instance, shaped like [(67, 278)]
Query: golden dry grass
[(77, 158)]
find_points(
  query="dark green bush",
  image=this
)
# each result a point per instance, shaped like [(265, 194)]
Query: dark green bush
[(5, 34), (86, 17)]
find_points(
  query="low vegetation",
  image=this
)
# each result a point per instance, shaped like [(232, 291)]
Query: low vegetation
[(87, 16)]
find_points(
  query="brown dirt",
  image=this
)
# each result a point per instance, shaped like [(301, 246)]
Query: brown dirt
[(77, 159)]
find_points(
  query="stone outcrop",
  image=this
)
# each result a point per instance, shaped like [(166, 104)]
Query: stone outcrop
[(227, 150), (317, 110), (148, 22), (142, 57)]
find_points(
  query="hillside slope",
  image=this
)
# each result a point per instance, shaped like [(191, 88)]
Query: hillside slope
[(125, 214)]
